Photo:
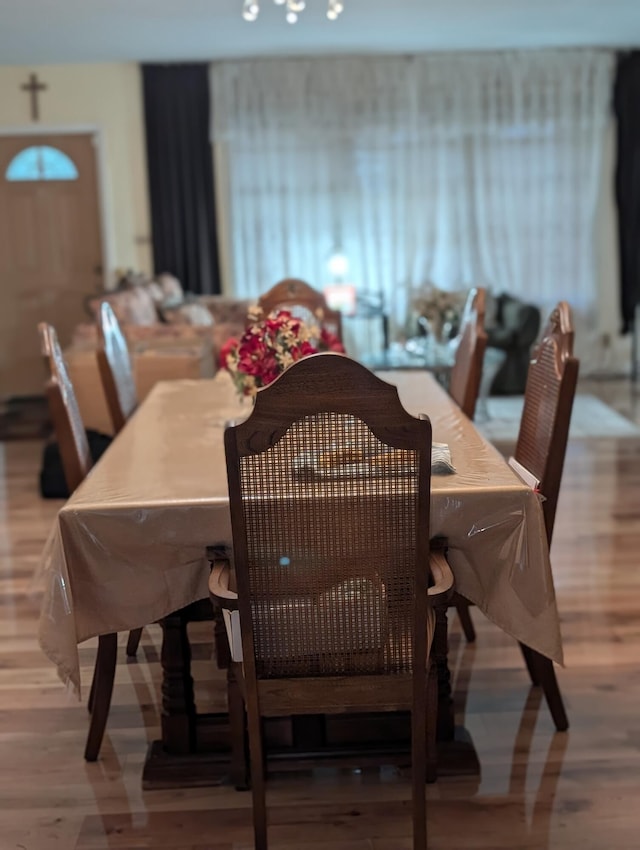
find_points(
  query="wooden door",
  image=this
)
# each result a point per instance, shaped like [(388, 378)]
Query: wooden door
[(50, 248)]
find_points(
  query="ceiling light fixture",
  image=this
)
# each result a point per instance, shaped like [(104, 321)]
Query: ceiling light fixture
[(251, 9)]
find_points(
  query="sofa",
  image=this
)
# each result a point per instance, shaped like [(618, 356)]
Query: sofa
[(170, 335), (158, 312), (158, 362)]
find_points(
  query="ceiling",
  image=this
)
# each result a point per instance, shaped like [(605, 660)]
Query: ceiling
[(52, 31)]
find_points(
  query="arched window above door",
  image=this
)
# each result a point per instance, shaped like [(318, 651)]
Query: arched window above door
[(41, 162)]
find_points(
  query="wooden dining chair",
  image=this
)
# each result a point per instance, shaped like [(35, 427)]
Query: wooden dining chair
[(539, 456), (329, 487), (466, 372), (304, 301), (116, 369), (464, 387), (76, 463), (71, 436)]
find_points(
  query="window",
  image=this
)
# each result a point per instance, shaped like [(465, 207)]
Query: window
[(460, 170), (41, 162)]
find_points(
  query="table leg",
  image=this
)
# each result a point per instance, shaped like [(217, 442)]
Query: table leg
[(178, 706), (385, 332), (456, 753)]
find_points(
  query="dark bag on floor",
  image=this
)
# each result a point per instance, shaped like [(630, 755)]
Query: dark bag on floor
[(52, 483)]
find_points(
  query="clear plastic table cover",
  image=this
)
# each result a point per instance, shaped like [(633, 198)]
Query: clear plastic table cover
[(128, 547)]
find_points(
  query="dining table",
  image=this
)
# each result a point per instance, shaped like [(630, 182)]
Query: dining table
[(129, 547)]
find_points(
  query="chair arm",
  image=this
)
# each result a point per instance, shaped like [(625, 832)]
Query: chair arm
[(443, 582), (219, 589)]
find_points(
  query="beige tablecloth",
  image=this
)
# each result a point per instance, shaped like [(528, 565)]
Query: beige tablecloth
[(127, 548)]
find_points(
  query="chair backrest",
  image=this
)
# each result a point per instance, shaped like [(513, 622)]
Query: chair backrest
[(65, 414), (466, 373), (329, 492), (559, 323), (305, 303), (116, 371), (548, 401)]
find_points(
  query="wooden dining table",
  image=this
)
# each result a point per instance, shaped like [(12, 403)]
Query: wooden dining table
[(129, 547)]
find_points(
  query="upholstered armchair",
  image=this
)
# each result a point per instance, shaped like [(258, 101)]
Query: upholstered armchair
[(515, 330)]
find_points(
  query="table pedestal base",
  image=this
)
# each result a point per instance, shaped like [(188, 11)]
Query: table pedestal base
[(458, 756), (194, 770), (354, 741)]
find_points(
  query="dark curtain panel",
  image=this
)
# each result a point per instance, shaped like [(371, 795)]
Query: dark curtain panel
[(627, 107), (180, 165)]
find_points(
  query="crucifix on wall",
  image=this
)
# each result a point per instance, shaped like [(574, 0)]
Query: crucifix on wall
[(34, 87)]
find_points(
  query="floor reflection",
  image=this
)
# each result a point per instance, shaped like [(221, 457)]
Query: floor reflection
[(147, 691), (531, 777)]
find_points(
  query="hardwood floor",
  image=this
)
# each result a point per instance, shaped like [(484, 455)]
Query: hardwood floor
[(537, 789)]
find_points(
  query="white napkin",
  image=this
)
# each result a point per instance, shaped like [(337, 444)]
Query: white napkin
[(441, 459)]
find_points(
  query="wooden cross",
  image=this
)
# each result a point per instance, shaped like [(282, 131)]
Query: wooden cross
[(34, 87)]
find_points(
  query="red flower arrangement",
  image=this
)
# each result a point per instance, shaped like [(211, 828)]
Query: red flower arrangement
[(269, 345)]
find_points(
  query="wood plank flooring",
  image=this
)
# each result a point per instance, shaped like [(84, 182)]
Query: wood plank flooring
[(537, 789)]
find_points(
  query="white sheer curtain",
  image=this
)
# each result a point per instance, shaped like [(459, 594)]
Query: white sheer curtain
[(455, 169)]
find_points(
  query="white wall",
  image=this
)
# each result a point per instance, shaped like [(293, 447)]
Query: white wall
[(107, 97)]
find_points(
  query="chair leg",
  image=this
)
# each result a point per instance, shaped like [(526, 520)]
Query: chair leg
[(530, 661), (256, 756), (549, 684), (237, 727), (133, 642), (462, 607), (92, 692), (431, 716), (419, 769), (102, 690)]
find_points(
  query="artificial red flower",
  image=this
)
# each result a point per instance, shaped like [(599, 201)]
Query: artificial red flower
[(269, 346), (225, 351), (330, 342)]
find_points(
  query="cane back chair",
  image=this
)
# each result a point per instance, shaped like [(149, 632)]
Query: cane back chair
[(71, 436), (116, 370), (305, 303), (76, 463), (466, 372), (539, 457), (329, 487)]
